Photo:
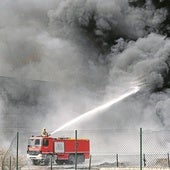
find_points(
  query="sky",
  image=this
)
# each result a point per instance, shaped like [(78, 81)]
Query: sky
[(62, 58)]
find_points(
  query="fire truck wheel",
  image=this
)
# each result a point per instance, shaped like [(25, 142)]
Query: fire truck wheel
[(35, 162), (71, 159), (80, 159), (46, 162), (60, 162)]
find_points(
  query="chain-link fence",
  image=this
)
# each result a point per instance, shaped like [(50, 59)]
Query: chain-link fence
[(156, 148), (128, 147), (109, 148), (9, 156), (114, 147)]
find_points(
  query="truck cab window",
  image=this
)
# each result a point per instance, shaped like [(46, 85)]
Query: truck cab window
[(31, 142), (37, 142), (45, 142)]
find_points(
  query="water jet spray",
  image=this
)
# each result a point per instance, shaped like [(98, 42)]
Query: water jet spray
[(98, 109)]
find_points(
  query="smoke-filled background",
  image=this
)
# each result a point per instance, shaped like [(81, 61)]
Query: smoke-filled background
[(61, 58)]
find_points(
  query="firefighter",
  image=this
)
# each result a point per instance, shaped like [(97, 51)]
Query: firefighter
[(44, 132)]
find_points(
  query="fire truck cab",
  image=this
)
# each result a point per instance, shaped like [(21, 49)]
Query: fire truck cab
[(40, 149), (63, 150)]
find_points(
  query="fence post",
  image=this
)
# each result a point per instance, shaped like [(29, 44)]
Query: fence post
[(2, 164), (10, 168), (144, 160), (17, 151), (168, 161), (51, 161), (117, 161), (140, 148), (75, 149), (90, 163)]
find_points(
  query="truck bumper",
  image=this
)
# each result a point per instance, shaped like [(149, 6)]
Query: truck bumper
[(37, 157)]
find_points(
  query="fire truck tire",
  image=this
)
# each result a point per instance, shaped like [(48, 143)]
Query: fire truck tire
[(35, 162), (71, 159), (46, 161), (80, 159), (60, 162)]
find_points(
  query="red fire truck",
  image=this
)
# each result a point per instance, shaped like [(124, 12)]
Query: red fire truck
[(63, 150)]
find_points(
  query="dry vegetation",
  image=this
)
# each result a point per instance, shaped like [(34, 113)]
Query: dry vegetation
[(9, 160)]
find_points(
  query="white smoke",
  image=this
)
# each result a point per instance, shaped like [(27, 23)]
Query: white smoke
[(162, 108), (146, 59)]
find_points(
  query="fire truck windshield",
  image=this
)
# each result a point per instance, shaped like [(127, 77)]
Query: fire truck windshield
[(34, 142)]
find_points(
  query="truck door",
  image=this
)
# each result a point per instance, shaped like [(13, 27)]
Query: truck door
[(47, 146)]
